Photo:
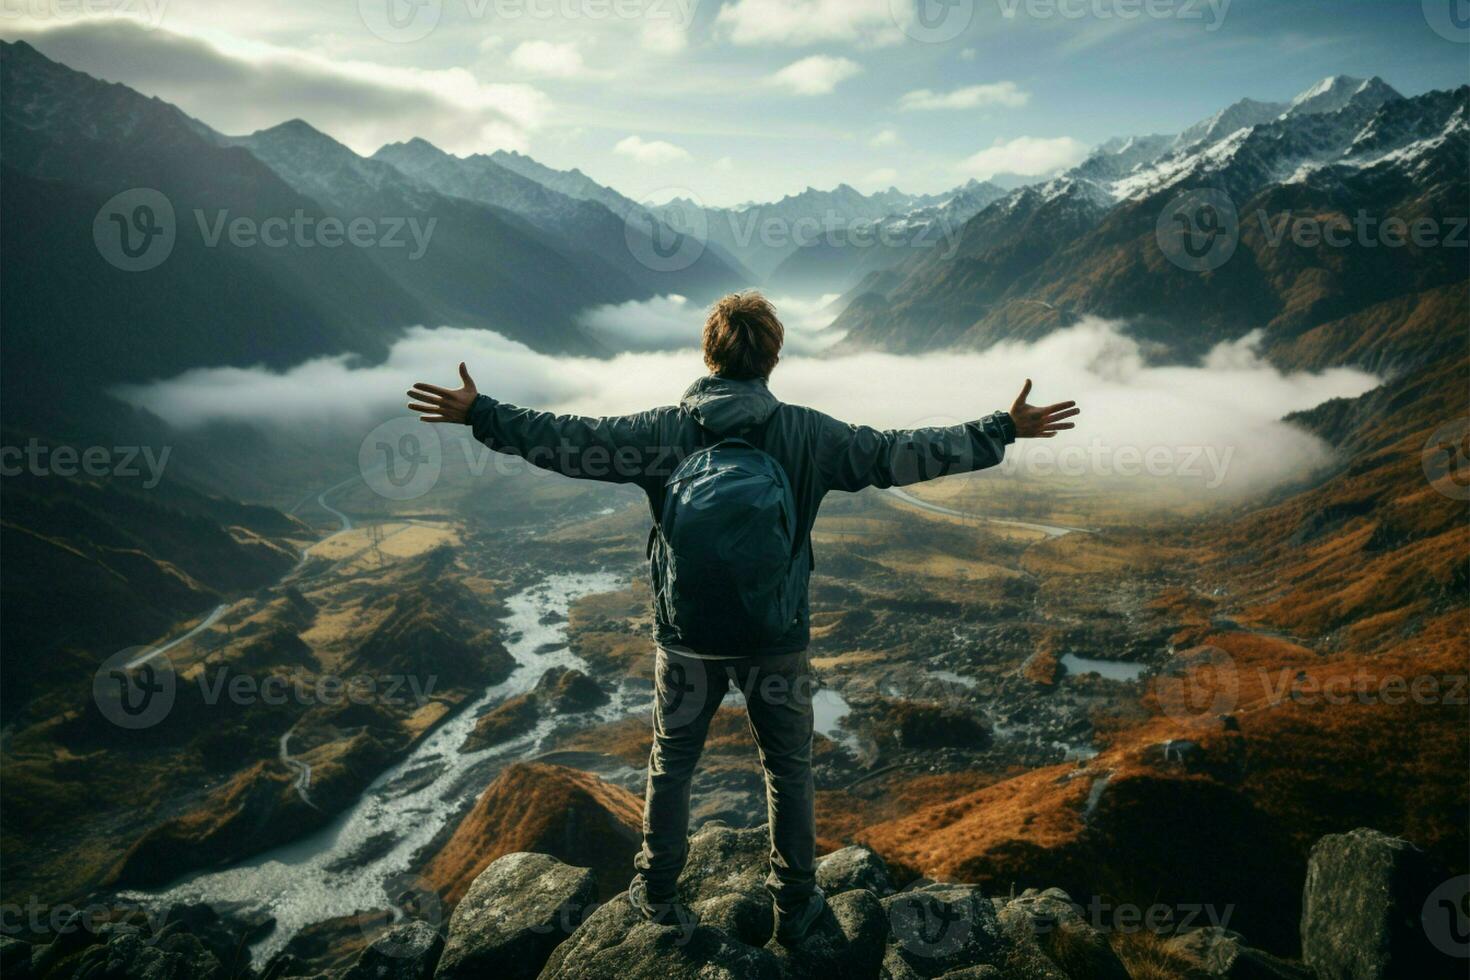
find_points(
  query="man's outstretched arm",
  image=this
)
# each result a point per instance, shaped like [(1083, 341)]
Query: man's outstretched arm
[(615, 449), (852, 457)]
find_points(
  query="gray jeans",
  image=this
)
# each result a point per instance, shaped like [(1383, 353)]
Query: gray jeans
[(778, 698)]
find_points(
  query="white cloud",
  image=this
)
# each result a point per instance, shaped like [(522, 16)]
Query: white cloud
[(255, 86), (650, 152), (548, 59), (884, 137), (868, 23), (815, 75), (1028, 156), (1006, 94), (1222, 417), (664, 36), (725, 165)]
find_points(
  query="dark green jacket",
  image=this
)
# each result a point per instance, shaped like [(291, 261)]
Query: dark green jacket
[(818, 452)]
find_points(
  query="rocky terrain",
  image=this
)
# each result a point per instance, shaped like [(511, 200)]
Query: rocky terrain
[(530, 914)]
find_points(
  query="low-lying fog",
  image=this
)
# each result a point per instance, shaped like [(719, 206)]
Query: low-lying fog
[(1216, 423)]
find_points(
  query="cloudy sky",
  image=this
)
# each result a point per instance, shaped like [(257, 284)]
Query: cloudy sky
[(734, 100)]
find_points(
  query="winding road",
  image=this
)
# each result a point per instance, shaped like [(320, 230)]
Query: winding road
[(204, 624), (302, 769), (1050, 530)]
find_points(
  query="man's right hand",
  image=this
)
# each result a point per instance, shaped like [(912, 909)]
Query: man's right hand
[(1040, 422), (437, 404)]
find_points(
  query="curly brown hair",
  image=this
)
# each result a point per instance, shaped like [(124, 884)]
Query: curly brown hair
[(743, 336)]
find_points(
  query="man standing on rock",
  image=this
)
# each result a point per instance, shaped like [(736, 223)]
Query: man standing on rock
[(734, 478)]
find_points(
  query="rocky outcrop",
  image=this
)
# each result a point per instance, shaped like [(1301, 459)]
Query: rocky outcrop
[(616, 942), (560, 691), (853, 867), (1222, 953), (1362, 906), (931, 930), (567, 691), (514, 915), (405, 952), (937, 928), (532, 915), (533, 806), (903, 724)]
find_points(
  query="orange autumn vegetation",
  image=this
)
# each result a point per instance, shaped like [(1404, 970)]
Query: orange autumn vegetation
[(532, 806), (1346, 595)]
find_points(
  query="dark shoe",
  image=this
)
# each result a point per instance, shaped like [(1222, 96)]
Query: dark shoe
[(663, 910), (792, 927)]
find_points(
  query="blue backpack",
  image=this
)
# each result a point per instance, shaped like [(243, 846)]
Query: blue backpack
[(725, 551)]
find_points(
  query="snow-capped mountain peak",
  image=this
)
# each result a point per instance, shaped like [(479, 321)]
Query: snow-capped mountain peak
[(1339, 91)]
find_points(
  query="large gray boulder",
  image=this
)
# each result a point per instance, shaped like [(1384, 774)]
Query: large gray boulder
[(743, 915), (936, 928), (408, 951), (853, 867), (514, 914), (616, 942), (1361, 910), (847, 940), (723, 859)]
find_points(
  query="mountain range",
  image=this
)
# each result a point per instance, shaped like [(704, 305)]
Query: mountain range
[(501, 251), (1088, 241)]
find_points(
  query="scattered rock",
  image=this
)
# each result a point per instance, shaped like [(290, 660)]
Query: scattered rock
[(514, 915), (936, 928), (616, 942), (405, 952), (569, 690), (1223, 953), (1361, 910), (1042, 668), (510, 719), (847, 940), (853, 867), (905, 724), (131, 956)]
